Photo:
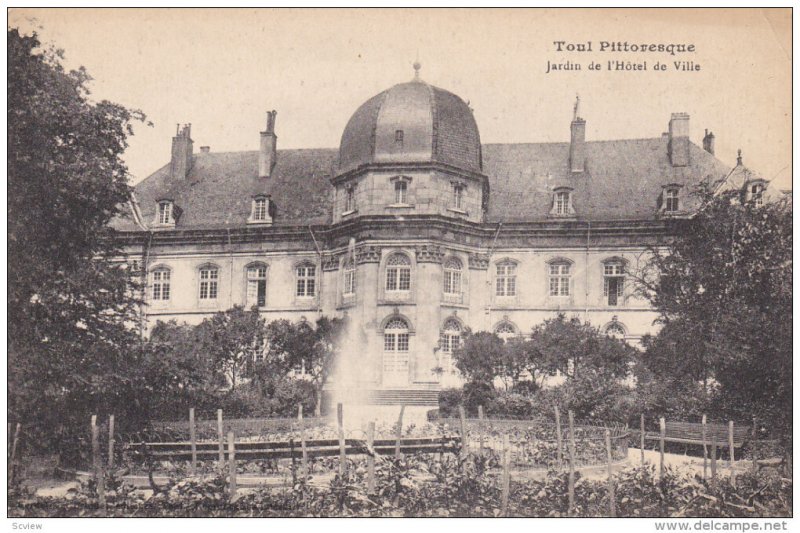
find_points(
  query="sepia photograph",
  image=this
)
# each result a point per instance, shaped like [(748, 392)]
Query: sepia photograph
[(400, 263)]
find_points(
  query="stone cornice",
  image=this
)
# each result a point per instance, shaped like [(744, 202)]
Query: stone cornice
[(410, 168), (429, 253)]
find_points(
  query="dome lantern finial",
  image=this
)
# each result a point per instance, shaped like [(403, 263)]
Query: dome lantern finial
[(417, 66)]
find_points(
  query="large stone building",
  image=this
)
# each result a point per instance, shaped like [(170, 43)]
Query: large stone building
[(416, 230)]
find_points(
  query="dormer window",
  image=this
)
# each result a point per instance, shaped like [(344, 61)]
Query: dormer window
[(755, 193), (458, 196), (562, 202), (259, 213), (671, 200), (165, 213), (350, 199), (400, 192)]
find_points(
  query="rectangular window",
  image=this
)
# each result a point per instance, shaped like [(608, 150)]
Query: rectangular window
[(402, 342), (405, 279), (260, 209), (506, 284), (391, 279), (306, 280), (559, 280), (458, 196), (257, 286), (165, 213), (613, 282), (208, 283), (671, 200), (161, 282), (349, 282), (400, 192), (388, 342), (562, 203), (452, 282)]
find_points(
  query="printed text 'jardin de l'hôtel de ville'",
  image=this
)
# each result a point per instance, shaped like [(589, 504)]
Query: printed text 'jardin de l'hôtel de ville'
[(630, 56)]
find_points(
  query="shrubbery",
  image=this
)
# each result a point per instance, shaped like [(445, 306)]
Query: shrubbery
[(451, 487)]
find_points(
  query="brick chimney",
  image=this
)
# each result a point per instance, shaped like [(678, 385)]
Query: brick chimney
[(708, 142), (182, 147), (577, 140), (678, 144), (267, 155)]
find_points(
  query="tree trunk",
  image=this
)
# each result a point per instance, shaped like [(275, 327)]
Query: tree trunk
[(318, 406)]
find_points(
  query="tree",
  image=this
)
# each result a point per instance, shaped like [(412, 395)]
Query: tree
[(232, 339), (68, 302), (724, 283), (479, 357), (572, 346)]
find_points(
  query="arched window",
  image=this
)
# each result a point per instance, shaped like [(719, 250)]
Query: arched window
[(613, 281), (306, 280), (506, 284), (257, 285), (349, 288), (209, 280), (350, 199), (400, 192), (160, 281), (505, 331), (559, 278), (398, 273), (615, 329), (450, 338), (395, 336), (452, 277)]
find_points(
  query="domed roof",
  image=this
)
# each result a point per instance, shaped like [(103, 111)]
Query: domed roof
[(412, 122)]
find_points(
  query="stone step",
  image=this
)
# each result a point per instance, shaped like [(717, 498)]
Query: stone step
[(418, 397)]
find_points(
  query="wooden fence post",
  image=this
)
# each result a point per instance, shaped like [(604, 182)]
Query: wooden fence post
[(571, 479), (506, 475), (463, 416), (99, 477), (371, 458), (302, 423), (294, 461), (111, 441), (399, 434), (705, 450), (662, 433), (221, 436), (755, 445), (342, 453), (641, 437), (612, 498), (560, 457), (480, 429), (231, 467), (14, 444), (731, 457), (713, 456), (193, 439)]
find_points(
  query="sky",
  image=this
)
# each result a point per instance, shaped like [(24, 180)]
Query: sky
[(221, 70)]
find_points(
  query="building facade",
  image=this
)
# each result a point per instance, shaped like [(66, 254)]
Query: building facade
[(416, 230)]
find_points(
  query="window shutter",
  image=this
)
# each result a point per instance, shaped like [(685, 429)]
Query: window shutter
[(660, 201), (176, 212), (272, 209), (252, 293)]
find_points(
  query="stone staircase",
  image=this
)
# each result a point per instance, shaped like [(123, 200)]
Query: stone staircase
[(423, 397)]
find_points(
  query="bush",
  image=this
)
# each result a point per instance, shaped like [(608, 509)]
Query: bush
[(512, 404)]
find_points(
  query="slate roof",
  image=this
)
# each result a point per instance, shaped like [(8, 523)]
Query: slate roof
[(437, 125), (623, 181)]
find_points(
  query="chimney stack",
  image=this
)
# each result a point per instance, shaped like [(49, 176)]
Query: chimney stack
[(577, 140), (708, 142), (678, 145), (205, 149), (267, 155), (182, 147)]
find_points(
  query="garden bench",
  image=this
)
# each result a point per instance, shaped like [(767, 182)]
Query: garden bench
[(692, 433)]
